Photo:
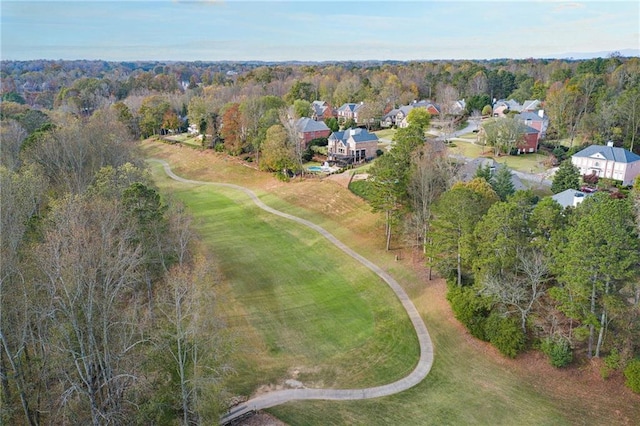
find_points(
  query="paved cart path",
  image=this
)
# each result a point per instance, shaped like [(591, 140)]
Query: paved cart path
[(272, 399)]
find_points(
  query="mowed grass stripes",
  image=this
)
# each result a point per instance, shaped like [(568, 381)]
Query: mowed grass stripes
[(296, 302)]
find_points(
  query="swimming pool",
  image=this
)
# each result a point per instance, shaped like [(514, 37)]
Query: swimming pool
[(316, 169)]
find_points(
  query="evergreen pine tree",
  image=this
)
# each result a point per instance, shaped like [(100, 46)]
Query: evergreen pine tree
[(567, 177)]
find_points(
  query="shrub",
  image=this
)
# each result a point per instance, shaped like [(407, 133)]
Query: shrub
[(558, 350), (307, 155), (559, 152), (379, 152), (632, 373), (318, 142), (505, 334), (611, 363), (361, 188), (469, 308)]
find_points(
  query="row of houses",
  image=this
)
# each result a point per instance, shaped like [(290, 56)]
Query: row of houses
[(321, 110)]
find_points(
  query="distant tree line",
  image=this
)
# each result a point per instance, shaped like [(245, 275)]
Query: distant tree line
[(594, 100)]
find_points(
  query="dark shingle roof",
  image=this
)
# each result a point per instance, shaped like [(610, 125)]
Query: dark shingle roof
[(358, 135), (308, 125), (619, 155), (528, 115), (347, 106)]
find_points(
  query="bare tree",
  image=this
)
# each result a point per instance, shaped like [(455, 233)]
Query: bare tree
[(193, 340), (433, 174), (12, 134), (22, 192), (520, 289), (90, 261), (72, 154), (447, 97)]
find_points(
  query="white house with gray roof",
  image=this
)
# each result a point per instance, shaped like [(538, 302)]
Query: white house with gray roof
[(608, 162), (352, 145)]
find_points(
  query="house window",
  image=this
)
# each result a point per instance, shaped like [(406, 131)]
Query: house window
[(596, 164)]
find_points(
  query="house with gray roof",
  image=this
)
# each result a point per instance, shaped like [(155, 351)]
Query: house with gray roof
[(608, 162), (503, 106), (469, 169), (309, 130), (351, 146), (398, 116), (570, 197), (349, 110), (321, 110), (531, 105), (537, 120)]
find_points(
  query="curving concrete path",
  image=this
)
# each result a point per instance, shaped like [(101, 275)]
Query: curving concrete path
[(272, 399)]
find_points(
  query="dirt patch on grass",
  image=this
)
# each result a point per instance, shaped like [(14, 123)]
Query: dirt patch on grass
[(261, 419)]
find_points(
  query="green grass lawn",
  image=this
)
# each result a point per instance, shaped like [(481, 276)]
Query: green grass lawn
[(466, 149), (528, 163), (461, 389), (385, 133), (297, 302)]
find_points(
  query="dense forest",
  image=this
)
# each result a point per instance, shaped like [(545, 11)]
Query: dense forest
[(99, 311)]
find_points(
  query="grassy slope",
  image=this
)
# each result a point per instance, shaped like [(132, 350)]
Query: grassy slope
[(304, 304), (469, 382)]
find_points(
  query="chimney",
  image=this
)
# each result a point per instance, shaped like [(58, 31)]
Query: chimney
[(541, 113), (610, 143)]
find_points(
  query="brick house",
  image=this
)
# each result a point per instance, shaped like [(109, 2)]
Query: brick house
[(349, 110), (538, 121), (352, 146), (321, 110), (309, 129), (531, 139)]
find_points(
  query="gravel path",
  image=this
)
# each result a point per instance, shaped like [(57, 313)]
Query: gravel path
[(272, 399)]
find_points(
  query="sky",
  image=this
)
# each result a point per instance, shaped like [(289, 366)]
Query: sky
[(303, 30)]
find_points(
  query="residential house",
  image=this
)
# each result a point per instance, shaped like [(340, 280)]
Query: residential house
[(570, 197), (538, 121), (468, 171), (309, 129), (321, 110), (351, 146), (400, 119), (349, 111), (432, 108), (531, 139), (503, 106), (459, 107), (398, 116), (531, 105), (389, 119), (608, 162)]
